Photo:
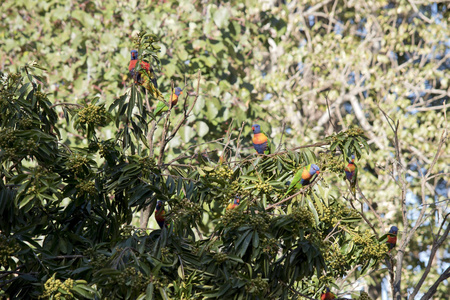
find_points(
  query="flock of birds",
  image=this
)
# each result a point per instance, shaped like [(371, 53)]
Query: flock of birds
[(145, 77)]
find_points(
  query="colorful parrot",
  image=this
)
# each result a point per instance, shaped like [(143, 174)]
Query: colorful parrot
[(162, 107), (327, 295), (235, 203), (351, 173), (160, 214), (303, 177), (392, 237), (260, 141), (145, 76)]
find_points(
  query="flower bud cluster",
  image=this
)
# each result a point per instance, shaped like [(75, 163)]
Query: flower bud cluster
[(371, 247), (87, 187), (76, 163), (303, 217), (336, 259), (52, 287), (332, 163), (92, 114), (269, 246), (8, 247), (364, 296), (185, 209), (257, 286), (220, 257)]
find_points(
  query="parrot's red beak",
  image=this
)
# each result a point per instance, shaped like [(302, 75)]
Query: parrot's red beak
[(253, 128), (317, 172)]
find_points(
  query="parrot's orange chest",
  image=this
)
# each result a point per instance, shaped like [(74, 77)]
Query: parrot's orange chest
[(350, 168), (259, 138), (392, 239), (305, 174)]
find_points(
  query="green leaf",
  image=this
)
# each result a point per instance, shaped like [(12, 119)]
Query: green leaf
[(221, 16)]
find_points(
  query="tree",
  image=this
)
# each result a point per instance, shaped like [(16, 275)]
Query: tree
[(359, 60)]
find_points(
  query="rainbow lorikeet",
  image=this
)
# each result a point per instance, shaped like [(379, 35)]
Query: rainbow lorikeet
[(351, 173), (392, 237), (162, 106), (328, 295), (303, 177), (160, 214), (260, 141), (235, 203), (145, 75)]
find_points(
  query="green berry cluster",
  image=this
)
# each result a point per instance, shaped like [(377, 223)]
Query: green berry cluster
[(92, 114), (87, 187), (185, 209), (263, 187), (99, 261), (336, 259), (52, 287), (25, 123), (364, 296), (234, 218), (126, 230), (105, 148), (165, 253), (303, 217), (40, 96), (7, 138), (146, 40), (332, 163), (130, 277), (220, 257), (15, 77), (331, 215), (147, 163), (76, 163), (257, 286), (260, 222), (8, 247), (371, 247), (223, 172), (354, 131), (270, 246)]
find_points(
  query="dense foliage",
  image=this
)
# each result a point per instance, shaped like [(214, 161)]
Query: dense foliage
[(82, 152)]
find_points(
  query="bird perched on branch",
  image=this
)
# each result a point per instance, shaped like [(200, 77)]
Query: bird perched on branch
[(392, 237), (328, 295), (160, 214), (235, 203), (145, 76), (161, 106), (303, 177), (351, 173), (260, 141)]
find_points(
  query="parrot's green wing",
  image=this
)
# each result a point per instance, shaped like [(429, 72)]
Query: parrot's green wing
[(269, 144), (296, 180), (354, 180), (149, 85), (160, 108)]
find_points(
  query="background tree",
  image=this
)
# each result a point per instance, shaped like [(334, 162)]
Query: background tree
[(296, 59)]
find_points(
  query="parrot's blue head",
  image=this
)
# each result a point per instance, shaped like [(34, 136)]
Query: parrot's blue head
[(393, 230), (314, 169), (237, 200), (256, 129), (352, 160), (178, 91), (327, 289), (134, 54), (159, 204)]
